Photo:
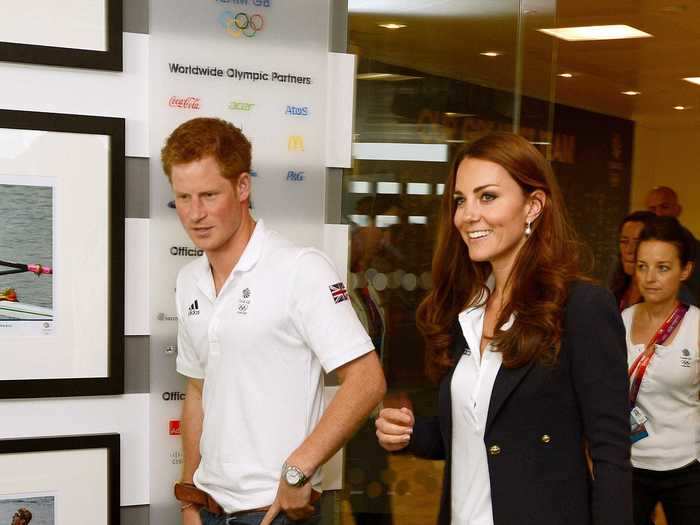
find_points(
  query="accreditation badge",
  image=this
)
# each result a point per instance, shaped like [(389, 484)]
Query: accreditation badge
[(637, 425)]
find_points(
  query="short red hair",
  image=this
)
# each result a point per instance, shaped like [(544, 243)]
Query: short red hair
[(203, 137)]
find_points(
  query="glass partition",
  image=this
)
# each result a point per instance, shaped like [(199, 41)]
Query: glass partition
[(432, 76), (615, 117)]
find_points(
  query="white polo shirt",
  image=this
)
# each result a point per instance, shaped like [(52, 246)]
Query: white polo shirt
[(668, 396), (260, 345), (471, 387)]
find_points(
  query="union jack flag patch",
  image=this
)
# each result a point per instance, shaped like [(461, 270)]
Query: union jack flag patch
[(338, 292)]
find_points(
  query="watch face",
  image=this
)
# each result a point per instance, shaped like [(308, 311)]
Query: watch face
[(293, 476)]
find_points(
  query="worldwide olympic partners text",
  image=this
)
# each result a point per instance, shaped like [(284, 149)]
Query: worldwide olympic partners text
[(239, 74)]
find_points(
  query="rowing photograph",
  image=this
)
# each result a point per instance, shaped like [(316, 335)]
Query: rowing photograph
[(26, 256), (30, 509)]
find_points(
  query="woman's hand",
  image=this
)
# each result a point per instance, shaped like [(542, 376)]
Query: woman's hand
[(394, 428)]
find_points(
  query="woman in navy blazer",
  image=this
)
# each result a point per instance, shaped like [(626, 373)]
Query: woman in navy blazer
[(531, 356)]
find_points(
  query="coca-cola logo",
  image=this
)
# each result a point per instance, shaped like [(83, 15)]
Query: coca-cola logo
[(184, 102)]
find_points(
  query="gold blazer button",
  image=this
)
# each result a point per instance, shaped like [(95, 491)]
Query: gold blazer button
[(545, 438), (494, 450)]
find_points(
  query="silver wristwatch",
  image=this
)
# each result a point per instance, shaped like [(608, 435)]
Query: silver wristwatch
[(293, 476)]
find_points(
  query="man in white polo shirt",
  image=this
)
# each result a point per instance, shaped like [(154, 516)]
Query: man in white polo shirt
[(260, 319)]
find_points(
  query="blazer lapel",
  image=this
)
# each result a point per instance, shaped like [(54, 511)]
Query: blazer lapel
[(506, 381), (459, 343)]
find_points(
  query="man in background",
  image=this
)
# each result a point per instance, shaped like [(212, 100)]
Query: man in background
[(663, 201)]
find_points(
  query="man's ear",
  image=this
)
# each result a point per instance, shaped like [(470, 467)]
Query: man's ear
[(243, 185), (536, 202)]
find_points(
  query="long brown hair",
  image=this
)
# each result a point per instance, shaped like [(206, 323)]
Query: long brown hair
[(538, 282)]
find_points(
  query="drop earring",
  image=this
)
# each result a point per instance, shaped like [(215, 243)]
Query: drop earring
[(528, 229)]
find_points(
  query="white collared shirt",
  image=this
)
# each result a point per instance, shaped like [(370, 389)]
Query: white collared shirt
[(280, 319), (471, 388)]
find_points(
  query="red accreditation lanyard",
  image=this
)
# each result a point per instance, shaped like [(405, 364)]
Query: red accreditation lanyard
[(640, 364)]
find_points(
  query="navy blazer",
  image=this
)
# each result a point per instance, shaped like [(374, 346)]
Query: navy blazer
[(537, 422)]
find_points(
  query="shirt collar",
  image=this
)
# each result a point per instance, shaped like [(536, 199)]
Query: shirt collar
[(250, 256), (471, 320), (253, 250)]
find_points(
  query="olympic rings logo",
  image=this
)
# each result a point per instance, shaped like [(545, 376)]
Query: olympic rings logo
[(237, 24)]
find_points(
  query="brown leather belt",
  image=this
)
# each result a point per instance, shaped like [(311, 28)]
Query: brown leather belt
[(189, 493)]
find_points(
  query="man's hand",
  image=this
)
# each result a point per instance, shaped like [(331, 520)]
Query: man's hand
[(295, 502), (190, 516)]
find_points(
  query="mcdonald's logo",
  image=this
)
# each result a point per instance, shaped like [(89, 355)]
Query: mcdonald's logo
[(295, 143)]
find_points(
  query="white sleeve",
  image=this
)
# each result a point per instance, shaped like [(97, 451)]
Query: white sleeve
[(187, 362), (321, 311)]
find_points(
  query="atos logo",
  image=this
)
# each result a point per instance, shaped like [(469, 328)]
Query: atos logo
[(297, 111), (295, 176), (295, 143)]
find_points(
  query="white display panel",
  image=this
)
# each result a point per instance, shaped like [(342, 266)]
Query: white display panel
[(126, 415), (341, 109), (77, 24), (264, 70), (87, 92), (136, 289)]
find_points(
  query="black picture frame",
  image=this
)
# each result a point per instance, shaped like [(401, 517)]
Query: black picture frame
[(109, 442), (113, 382), (111, 59)]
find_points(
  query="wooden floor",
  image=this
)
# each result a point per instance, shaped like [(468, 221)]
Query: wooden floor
[(414, 487)]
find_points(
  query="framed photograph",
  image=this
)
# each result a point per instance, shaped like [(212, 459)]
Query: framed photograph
[(62, 191), (60, 480), (73, 33)]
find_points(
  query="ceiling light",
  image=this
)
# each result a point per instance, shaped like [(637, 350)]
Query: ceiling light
[(694, 80), (453, 114), (680, 108), (674, 9), (390, 188), (565, 75), (392, 26), (582, 33), (491, 53), (391, 77), (631, 93)]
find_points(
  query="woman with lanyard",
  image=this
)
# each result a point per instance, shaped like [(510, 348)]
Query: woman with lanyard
[(664, 370), (531, 356)]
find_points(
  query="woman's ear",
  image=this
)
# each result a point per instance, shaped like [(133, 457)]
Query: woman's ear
[(687, 270), (536, 202)]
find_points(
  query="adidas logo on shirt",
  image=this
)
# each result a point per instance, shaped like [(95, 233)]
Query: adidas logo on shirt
[(193, 309)]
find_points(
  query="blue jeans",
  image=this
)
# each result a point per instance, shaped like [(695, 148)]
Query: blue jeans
[(254, 518)]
